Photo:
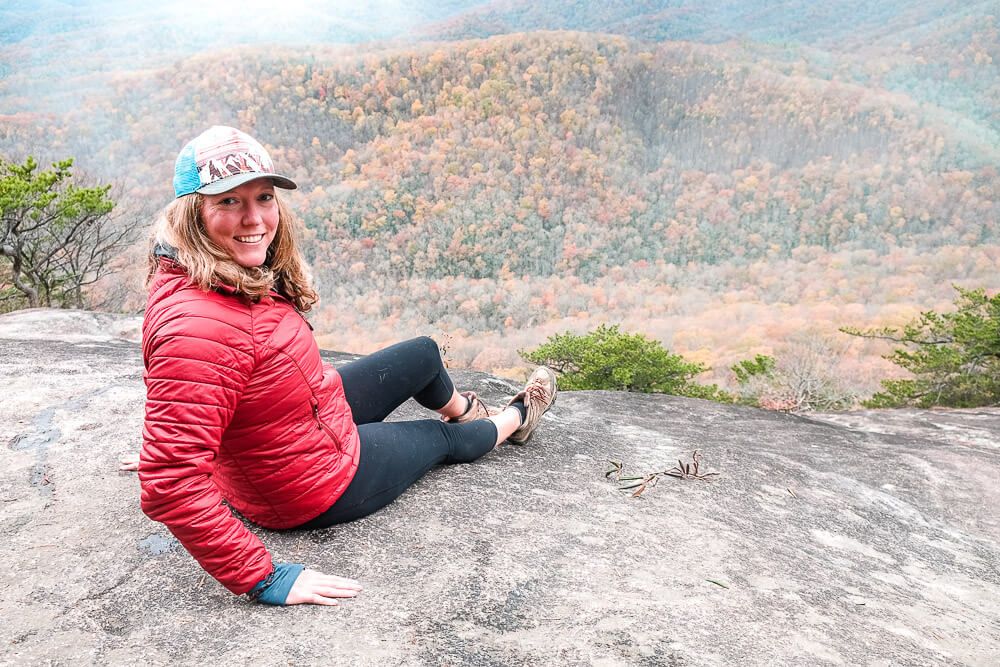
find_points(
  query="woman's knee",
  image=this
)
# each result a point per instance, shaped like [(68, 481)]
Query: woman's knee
[(426, 347)]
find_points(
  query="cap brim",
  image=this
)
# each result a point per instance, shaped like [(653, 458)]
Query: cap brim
[(229, 182)]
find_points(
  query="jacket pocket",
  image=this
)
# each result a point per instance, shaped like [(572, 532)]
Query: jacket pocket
[(320, 425)]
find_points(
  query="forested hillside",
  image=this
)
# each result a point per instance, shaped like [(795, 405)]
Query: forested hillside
[(724, 198), (935, 51)]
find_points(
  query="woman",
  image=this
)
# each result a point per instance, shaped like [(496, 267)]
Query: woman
[(241, 408)]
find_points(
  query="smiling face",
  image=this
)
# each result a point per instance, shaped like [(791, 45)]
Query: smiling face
[(242, 221)]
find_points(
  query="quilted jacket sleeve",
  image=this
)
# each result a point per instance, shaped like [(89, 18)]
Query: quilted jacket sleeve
[(194, 378)]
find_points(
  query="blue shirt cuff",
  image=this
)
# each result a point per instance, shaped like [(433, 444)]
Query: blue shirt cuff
[(275, 589)]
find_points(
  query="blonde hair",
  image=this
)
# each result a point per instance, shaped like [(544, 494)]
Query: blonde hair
[(179, 226)]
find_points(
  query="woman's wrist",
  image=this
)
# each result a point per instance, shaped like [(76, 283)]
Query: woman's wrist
[(274, 588)]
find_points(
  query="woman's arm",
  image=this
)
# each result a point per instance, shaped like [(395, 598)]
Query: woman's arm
[(193, 384), (196, 371)]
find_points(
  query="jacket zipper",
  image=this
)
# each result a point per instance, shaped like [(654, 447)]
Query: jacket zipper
[(323, 427)]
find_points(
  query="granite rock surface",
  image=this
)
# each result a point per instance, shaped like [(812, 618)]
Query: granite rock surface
[(855, 538)]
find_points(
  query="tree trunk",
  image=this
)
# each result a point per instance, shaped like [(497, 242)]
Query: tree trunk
[(29, 292)]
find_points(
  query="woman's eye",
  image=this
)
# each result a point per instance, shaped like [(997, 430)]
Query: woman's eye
[(267, 196), (228, 201)]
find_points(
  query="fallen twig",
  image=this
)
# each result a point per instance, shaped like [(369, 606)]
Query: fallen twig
[(690, 470), (642, 482)]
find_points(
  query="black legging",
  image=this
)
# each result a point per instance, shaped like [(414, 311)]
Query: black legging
[(394, 455)]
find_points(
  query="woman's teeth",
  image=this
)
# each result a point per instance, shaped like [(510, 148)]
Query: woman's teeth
[(250, 239)]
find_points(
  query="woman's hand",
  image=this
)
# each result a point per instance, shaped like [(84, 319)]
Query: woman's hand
[(129, 463), (312, 587)]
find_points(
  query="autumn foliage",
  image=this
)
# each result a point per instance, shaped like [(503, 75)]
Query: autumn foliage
[(718, 198)]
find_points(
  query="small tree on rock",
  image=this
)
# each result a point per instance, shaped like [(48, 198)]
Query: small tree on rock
[(55, 237), (607, 358), (954, 357)]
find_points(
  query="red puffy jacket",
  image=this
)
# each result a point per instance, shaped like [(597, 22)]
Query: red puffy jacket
[(239, 407)]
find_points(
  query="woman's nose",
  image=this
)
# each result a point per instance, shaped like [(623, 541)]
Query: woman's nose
[(252, 215)]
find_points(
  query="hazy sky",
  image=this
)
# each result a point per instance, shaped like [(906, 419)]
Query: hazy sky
[(232, 21), (53, 52)]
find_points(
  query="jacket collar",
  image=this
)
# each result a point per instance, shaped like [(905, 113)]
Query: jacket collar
[(167, 255), (165, 250)]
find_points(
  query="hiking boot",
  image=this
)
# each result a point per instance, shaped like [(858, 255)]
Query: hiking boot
[(477, 410), (538, 396)]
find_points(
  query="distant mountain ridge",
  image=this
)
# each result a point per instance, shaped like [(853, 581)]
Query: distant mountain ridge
[(827, 24), (850, 35), (52, 35)]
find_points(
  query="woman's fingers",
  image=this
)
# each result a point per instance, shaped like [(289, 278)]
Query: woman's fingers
[(327, 602), (129, 463), (312, 587), (338, 592), (336, 582)]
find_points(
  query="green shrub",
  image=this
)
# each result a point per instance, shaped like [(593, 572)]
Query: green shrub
[(760, 366), (607, 358)]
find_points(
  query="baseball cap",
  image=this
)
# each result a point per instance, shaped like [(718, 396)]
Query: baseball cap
[(220, 159)]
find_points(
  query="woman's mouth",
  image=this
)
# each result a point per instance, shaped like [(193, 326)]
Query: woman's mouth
[(249, 239)]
